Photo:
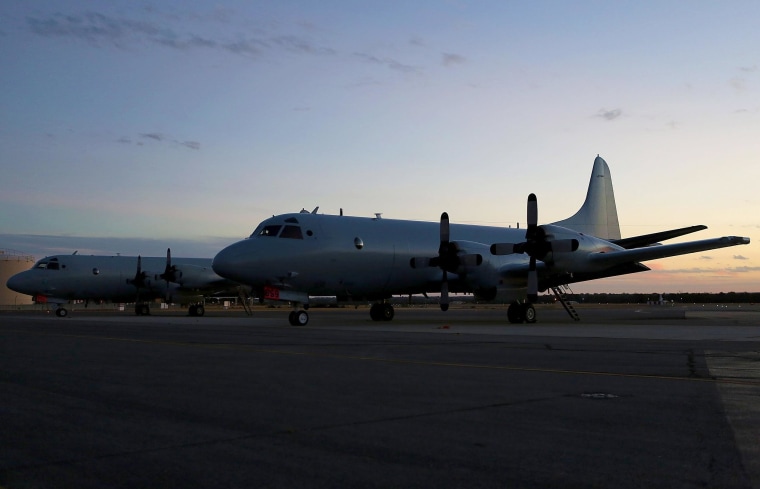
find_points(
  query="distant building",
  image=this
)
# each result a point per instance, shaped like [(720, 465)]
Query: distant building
[(11, 263)]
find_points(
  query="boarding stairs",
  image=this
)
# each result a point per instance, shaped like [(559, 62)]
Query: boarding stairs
[(561, 292)]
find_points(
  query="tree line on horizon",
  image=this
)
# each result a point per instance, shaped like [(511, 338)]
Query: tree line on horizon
[(676, 298)]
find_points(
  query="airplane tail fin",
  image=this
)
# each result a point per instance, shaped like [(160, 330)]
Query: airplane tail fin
[(598, 214)]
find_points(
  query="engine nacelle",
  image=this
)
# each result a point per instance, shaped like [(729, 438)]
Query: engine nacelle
[(195, 277), (568, 261)]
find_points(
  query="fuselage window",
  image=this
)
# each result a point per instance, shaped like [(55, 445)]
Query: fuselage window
[(270, 230), (292, 232)]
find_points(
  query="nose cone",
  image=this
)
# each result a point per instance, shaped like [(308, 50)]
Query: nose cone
[(21, 283), (231, 262)]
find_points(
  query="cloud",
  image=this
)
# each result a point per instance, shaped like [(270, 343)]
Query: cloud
[(748, 69), (100, 30), (388, 62), (158, 137), (609, 115), (738, 84), (740, 257), (744, 269), (94, 28), (191, 144), (450, 59), (152, 135)]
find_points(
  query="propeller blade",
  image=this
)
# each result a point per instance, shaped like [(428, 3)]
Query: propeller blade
[(444, 292), (420, 262), (168, 271), (445, 228), (532, 281), (504, 248), (532, 216), (563, 245)]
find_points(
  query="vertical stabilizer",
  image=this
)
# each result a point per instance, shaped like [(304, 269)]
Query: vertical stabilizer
[(598, 214)]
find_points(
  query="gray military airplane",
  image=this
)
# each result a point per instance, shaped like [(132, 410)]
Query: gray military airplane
[(60, 278), (291, 257)]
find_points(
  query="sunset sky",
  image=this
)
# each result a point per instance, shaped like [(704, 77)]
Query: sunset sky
[(129, 127)]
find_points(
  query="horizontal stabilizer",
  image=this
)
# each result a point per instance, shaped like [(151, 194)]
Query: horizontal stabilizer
[(650, 239), (663, 251)]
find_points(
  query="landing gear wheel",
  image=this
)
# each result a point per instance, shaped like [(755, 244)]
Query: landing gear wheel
[(200, 310), (529, 313), (386, 312), (374, 312), (192, 310), (61, 312), (298, 318), (142, 310), (381, 312)]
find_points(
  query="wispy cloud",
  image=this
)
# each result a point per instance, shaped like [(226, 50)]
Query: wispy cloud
[(99, 29), (450, 59), (740, 257), (158, 137), (609, 115), (388, 62)]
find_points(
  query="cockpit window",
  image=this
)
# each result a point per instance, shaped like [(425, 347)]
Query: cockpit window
[(270, 230), (51, 264), (292, 232)]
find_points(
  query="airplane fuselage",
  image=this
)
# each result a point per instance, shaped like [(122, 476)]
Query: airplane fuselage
[(370, 258), (83, 277)]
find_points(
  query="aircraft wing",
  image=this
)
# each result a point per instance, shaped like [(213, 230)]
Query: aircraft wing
[(613, 258), (599, 265), (654, 238)]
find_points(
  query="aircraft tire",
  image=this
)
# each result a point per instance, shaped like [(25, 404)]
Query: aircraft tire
[(200, 310), (386, 312), (374, 312), (299, 318), (192, 310), (529, 313), (61, 312)]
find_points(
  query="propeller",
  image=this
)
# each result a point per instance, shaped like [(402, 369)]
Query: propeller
[(139, 280), (171, 274), (448, 260), (536, 246)]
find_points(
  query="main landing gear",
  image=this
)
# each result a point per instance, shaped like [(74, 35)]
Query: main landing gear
[(381, 312), (196, 310), (521, 312), (298, 317)]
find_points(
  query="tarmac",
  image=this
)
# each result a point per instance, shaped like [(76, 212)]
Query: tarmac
[(631, 396)]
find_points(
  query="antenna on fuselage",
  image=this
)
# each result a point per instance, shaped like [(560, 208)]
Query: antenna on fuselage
[(315, 210), (341, 211)]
